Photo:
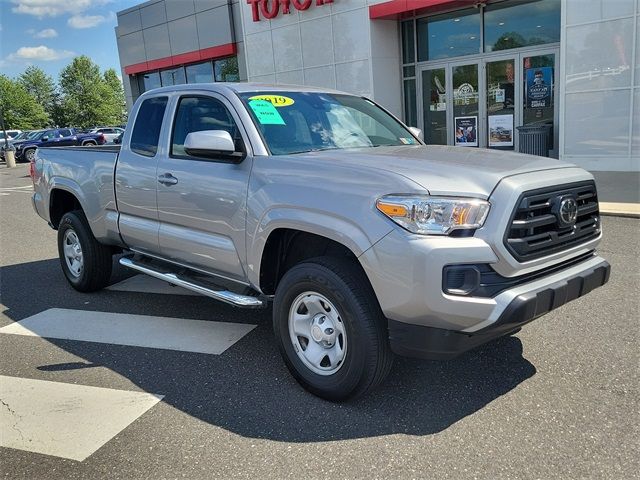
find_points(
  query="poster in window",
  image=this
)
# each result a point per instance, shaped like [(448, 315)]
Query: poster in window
[(466, 131), (539, 87), (501, 130)]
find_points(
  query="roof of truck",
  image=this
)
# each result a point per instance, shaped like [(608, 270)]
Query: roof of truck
[(243, 87)]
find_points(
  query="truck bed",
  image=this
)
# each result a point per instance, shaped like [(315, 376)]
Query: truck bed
[(88, 174)]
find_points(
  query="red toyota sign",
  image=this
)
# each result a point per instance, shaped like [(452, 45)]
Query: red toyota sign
[(271, 8)]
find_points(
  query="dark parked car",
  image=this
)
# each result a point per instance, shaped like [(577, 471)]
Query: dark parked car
[(56, 137)]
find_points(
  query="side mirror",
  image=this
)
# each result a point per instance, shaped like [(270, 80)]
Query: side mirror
[(45, 139), (209, 143), (417, 132)]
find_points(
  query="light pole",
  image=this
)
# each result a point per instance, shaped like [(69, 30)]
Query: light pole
[(9, 157)]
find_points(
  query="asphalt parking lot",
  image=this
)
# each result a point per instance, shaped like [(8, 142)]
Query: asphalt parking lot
[(557, 400)]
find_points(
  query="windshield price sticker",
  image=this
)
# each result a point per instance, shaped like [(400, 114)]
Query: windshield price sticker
[(276, 100), (266, 113)]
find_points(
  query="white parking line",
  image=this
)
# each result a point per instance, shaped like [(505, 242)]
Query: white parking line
[(65, 420), (136, 330), (147, 284)]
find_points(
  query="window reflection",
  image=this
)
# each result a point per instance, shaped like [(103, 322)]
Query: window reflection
[(173, 76), (199, 73), (450, 35), (149, 80), (513, 25), (226, 70)]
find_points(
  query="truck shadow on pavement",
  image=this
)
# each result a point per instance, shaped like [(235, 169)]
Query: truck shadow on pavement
[(247, 389)]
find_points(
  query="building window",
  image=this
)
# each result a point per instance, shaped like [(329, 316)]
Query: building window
[(226, 70), (199, 73), (450, 35), (410, 104), (173, 76), (519, 24), (408, 42), (149, 80)]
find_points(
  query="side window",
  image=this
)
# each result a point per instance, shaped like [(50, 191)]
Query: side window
[(146, 131), (195, 114), (65, 132)]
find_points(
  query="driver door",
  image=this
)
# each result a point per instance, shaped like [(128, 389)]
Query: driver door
[(201, 201)]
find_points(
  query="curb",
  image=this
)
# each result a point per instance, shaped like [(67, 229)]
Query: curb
[(628, 210)]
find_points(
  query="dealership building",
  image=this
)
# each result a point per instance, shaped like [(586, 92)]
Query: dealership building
[(468, 73)]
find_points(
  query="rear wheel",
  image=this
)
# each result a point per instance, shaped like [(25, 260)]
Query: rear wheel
[(330, 329), (89, 143), (85, 262)]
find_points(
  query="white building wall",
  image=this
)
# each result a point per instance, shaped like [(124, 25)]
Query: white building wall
[(600, 84), (335, 46)]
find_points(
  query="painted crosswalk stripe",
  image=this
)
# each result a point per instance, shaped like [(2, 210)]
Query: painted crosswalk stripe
[(136, 330), (65, 420), (147, 284)]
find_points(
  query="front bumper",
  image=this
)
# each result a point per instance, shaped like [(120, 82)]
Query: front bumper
[(528, 303)]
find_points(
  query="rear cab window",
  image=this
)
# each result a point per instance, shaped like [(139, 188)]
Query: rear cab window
[(146, 130)]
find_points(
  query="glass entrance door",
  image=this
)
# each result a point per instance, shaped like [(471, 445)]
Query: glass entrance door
[(481, 103), (434, 105), (501, 104), (466, 105), (538, 105)]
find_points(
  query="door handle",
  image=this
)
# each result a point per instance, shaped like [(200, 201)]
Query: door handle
[(167, 179)]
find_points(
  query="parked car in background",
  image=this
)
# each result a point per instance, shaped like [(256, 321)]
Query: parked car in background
[(19, 137), (11, 134), (56, 137), (110, 133), (118, 139)]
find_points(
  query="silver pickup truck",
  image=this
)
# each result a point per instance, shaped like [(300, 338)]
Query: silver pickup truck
[(367, 241)]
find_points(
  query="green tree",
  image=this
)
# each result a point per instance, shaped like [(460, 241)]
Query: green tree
[(117, 102), (19, 109), (87, 98), (41, 87), (509, 40)]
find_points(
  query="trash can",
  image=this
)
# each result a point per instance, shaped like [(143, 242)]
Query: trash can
[(535, 139)]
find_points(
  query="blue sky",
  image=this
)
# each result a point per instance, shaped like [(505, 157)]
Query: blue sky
[(49, 33)]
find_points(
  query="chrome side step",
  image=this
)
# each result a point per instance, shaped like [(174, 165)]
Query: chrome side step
[(232, 298)]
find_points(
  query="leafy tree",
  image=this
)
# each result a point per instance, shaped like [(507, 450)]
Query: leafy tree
[(20, 109), (41, 87), (118, 102), (509, 40), (88, 99)]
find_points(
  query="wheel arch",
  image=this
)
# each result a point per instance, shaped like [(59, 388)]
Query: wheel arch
[(62, 200), (287, 247)]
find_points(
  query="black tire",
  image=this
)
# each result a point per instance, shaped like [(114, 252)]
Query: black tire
[(97, 258), (89, 143), (368, 357), (25, 155)]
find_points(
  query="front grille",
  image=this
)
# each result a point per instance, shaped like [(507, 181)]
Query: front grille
[(536, 228)]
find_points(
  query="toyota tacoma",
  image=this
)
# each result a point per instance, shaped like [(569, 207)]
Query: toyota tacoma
[(365, 240)]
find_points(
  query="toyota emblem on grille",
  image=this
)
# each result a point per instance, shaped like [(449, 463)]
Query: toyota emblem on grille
[(568, 211)]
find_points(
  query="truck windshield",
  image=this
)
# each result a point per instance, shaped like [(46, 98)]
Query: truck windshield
[(296, 122)]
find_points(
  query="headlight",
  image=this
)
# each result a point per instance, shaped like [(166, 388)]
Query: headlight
[(434, 215)]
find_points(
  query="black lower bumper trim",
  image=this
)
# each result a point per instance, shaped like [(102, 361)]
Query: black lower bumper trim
[(436, 343)]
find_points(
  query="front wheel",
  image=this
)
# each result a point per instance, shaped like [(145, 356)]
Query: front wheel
[(330, 329), (30, 155), (85, 262)]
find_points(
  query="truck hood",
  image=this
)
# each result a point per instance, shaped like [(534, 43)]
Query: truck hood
[(443, 170)]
